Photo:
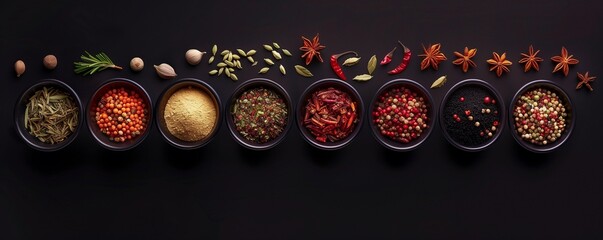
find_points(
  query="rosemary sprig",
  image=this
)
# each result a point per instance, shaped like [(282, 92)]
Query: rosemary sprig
[(92, 64)]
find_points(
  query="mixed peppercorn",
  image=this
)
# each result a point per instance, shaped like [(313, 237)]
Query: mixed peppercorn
[(401, 114), (540, 116)]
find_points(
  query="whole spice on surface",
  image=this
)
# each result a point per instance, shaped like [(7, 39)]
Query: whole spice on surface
[(530, 60), (91, 64), (335, 66), (260, 115), (388, 57), (432, 56), (439, 82), (193, 56), (499, 63), (372, 64), (400, 114), (330, 115), (584, 80), (311, 49), (540, 116), (50, 61), (471, 116), (405, 61), (564, 61), (363, 77), (190, 114), (51, 115), (351, 61), (136, 64), (464, 59), (301, 70), (165, 71), (19, 67), (121, 114)]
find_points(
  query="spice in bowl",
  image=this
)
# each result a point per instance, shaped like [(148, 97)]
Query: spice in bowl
[(540, 116), (260, 115), (190, 114), (51, 115), (471, 116), (330, 115), (401, 114), (121, 114)]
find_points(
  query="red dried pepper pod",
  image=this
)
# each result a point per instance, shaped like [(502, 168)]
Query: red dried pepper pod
[(388, 57), (335, 66), (404, 63)]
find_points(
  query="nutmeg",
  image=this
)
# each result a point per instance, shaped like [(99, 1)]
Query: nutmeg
[(19, 67), (50, 62), (136, 64)]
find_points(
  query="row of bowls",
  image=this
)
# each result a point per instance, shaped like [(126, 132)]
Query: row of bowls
[(253, 83)]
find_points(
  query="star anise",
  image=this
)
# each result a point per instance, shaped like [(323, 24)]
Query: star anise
[(499, 63), (531, 60), (465, 59), (311, 49), (563, 61), (432, 56), (585, 81)]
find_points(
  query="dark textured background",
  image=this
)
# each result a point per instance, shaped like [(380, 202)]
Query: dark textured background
[(294, 191)]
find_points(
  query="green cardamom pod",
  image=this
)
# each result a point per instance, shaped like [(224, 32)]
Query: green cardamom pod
[(264, 70), (286, 52), (439, 82), (268, 47)]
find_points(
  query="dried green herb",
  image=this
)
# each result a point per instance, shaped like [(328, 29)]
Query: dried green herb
[(92, 64), (372, 64), (439, 82), (51, 115), (303, 71), (351, 61), (260, 115), (363, 77)]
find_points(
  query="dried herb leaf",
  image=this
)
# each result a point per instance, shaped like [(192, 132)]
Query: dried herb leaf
[(351, 61), (363, 77), (372, 64), (303, 71), (439, 82)]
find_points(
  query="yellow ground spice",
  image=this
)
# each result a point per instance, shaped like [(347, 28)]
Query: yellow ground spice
[(190, 114)]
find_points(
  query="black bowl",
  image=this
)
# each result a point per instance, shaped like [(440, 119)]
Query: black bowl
[(19, 114), (251, 84), (421, 92), (567, 103), (307, 95), (467, 135), (160, 111), (100, 137)]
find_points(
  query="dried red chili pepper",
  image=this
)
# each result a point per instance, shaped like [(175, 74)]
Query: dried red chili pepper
[(330, 115), (335, 66), (404, 63), (388, 57)]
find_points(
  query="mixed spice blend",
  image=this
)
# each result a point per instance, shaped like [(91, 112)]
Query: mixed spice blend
[(260, 115), (401, 114), (540, 116)]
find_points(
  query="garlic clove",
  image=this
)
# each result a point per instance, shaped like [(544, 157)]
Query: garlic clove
[(136, 64), (193, 56), (165, 71)]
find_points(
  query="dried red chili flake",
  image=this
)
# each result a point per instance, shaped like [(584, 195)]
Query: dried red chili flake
[(330, 115), (401, 114)]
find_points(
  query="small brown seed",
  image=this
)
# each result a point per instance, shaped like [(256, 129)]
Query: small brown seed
[(19, 67), (136, 64), (50, 61)]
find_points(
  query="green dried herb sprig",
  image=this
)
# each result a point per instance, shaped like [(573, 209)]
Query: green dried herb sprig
[(91, 64)]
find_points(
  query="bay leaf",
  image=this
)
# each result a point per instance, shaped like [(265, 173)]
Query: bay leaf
[(439, 82), (372, 64), (301, 70), (363, 77), (351, 61)]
